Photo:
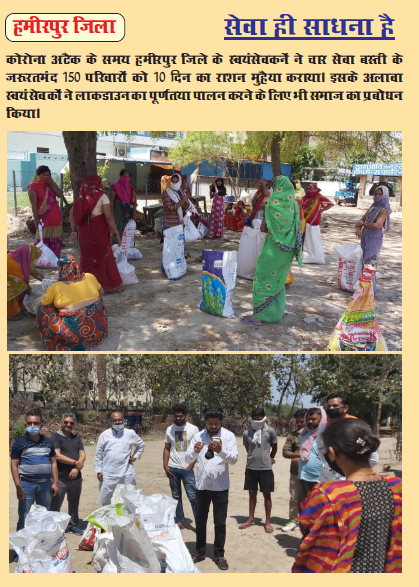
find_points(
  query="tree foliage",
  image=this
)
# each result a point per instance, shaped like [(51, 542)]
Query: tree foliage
[(372, 382)]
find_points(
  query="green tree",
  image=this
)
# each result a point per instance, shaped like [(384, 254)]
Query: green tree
[(226, 150), (372, 381), (292, 374)]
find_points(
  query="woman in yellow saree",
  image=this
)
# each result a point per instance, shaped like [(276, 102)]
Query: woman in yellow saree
[(283, 243), (20, 266)]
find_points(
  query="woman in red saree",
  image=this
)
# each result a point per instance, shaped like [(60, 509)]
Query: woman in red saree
[(92, 215), (314, 204), (236, 222), (43, 193)]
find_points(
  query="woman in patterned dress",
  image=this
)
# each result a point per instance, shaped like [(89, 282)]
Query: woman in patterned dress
[(217, 193), (282, 244), (351, 525)]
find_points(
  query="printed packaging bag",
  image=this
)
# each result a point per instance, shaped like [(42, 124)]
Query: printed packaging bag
[(174, 262), (349, 265), (219, 274), (358, 329), (128, 241)]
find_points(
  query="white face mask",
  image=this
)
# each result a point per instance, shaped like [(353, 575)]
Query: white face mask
[(176, 186), (258, 424)]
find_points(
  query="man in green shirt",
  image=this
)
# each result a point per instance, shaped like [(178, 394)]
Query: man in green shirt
[(291, 450)]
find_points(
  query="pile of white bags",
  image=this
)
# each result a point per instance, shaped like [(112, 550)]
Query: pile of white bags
[(128, 241), (313, 249), (135, 553), (126, 270), (174, 262), (48, 259), (350, 264), (41, 544), (251, 243)]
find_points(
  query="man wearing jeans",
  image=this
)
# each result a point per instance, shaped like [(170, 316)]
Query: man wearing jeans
[(33, 464), (215, 448), (178, 437)]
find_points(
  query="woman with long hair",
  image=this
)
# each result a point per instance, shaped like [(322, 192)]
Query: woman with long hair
[(43, 193), (217, 194), (282, 244), (92, 215), (71, 315), (351, 525)]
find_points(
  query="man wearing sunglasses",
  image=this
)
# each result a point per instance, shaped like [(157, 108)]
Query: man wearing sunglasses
[(71, 457)]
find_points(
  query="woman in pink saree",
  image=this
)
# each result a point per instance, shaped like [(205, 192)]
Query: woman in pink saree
[(43, 193)]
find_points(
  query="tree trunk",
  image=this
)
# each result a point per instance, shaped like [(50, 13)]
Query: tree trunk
[(376, 423), (276, 155), (81, 151), (281, 399), (295, 399)]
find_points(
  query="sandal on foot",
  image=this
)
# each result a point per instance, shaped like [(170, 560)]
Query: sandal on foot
[(268, 528), (246, 525), (249, 320)]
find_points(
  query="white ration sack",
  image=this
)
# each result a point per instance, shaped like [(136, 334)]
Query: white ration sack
[(157, 515), (126, 270), (134, 550), (313, 249), (190, 231), (350, 264), (174, 262), (41, 545), (251, 243), (48, 259)]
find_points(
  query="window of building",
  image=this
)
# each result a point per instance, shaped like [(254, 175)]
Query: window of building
[(170, 134), (42, 150), (101, 154)]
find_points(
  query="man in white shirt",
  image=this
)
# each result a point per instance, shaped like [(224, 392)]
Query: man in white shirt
[(337, 407), (214, 448), (114, 462), (178, 438)]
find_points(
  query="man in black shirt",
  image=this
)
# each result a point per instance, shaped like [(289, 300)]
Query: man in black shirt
[(71, 457)]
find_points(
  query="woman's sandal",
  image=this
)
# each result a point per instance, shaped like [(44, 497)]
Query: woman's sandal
[(268, 528), (252, 322)]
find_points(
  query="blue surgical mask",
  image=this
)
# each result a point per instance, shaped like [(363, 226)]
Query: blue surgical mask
[(33, 429), (118, 427)]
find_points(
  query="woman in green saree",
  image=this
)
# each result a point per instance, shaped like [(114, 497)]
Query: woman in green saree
[(283, 242)]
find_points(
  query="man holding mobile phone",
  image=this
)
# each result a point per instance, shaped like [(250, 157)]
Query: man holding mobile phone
[(34, 468), (214, 448)]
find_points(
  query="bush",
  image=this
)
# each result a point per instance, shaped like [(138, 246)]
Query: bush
[(101, 171), (18, 429)]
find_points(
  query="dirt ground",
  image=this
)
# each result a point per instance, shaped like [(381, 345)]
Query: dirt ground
[(247, 551), (162, 315)]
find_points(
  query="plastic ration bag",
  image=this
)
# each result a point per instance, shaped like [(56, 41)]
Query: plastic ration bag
[(126, 270), (174, 262), (157, 516), (88, 539), (128, 241), (202, 229), (46, 284), (313, 249), (251, 242), (134, 550), (41, 545), (358, 328), (349, 265), (105, 516), (100, 550), (219, 274), (190, 231), (29, 304), (48, 259)]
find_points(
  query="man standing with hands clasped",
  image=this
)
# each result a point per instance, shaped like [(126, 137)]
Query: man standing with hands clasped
[(261, 444), (178, 437), (114, 462), (214, 448)]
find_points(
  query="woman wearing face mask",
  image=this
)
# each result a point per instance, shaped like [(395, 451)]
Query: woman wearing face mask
[(351, 526), (43, 193), (175, 203), (370, 228), (123, 202)]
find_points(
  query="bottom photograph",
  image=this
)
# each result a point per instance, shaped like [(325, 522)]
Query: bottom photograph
[(129, 463)]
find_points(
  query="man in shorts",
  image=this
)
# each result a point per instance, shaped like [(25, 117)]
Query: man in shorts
[(261, 445)]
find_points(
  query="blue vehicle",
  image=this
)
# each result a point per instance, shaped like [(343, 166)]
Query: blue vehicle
[(348, 189)]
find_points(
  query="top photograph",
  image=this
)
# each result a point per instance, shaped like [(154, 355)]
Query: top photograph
[(261, 241)]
